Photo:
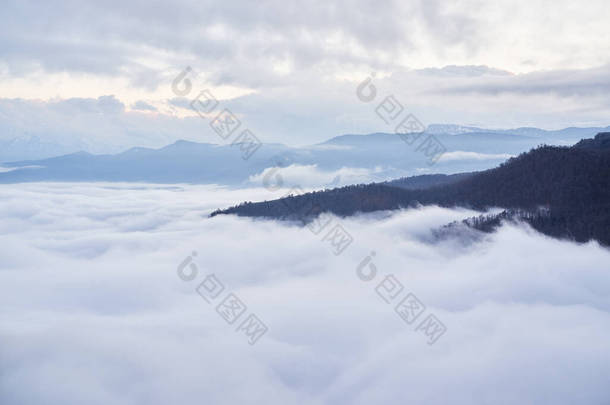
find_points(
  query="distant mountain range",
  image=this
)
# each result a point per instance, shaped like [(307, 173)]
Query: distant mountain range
[(560, 191), (378, 157)]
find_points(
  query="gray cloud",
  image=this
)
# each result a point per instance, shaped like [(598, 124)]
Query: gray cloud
[(451, 26), (464, 71), (236, 43), (304, 62), (313, 110), (564, 83), (95, 125), (181, 102), (143, 106)]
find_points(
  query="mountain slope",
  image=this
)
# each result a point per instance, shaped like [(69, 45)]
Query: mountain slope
[(427, 180), (572, 183)]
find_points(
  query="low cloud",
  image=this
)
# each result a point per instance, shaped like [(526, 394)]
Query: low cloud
[(464, 155), (310, 176), (92, 270), (10, 169)]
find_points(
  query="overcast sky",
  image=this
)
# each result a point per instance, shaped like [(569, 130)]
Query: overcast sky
[(290, 70)]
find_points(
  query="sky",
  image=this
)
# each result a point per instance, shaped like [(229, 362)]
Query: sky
[(93, 309), (98, 75)]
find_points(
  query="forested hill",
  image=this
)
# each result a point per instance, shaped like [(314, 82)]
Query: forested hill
[(427, 180), (571, 183)]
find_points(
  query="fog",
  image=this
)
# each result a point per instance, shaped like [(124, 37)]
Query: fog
[(93, 309)]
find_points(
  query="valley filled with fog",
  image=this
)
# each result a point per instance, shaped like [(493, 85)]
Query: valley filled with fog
[(94, 309)]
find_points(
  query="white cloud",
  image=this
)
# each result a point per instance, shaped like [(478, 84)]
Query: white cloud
[(310, 176), (93, 311), (464, 155), (10, 169)]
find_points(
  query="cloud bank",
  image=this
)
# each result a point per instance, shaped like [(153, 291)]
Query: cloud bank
[(94, 312), (310, 176)]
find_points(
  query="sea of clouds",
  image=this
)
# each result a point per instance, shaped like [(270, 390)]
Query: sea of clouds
[(92, 310)]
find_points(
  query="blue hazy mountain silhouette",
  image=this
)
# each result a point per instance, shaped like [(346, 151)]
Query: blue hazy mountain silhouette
[(192, 162)]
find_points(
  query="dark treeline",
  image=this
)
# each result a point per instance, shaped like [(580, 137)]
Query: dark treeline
[(571, 183), (427, 180)]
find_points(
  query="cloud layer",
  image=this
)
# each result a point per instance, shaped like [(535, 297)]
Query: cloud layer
[(310, 176), (256, 44), (290, 71), (94, 312)]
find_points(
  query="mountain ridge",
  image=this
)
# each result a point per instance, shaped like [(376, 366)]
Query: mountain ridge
[(573, 183), (382, 156)]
